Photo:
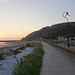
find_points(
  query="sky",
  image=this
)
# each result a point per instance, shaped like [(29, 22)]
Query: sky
[(18, 18)]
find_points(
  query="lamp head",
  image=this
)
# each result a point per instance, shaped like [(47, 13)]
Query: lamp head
[(66, 15)]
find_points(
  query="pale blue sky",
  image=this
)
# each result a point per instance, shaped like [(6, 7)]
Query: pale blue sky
[(20, 17)]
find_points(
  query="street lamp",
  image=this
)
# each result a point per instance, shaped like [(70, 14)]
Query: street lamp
[(66, 15)]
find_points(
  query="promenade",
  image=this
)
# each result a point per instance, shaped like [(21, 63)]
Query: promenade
[(56, 63)]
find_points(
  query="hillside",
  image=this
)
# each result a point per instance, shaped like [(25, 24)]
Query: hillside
[(52, 32)]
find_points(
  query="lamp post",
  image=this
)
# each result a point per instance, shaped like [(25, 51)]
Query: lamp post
[(66, 15)]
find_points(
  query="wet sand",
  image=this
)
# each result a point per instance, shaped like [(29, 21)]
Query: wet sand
[(6, 49), (10, 45)]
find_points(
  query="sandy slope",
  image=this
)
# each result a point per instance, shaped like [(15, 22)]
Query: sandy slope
[(7, 65)]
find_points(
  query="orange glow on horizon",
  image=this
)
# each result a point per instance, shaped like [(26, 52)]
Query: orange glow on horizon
[(12, 37)]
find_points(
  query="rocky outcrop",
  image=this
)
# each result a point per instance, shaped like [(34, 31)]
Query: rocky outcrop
[(52, 32)]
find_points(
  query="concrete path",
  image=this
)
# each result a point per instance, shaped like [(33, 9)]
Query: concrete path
[(56, 63)]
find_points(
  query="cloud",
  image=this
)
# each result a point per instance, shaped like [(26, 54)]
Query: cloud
[(3, 0)]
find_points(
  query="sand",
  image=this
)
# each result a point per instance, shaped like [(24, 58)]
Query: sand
[(7, 65)]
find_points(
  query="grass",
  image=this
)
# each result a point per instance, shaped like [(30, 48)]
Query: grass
[(30, 64), (8, 53), (21, 48), (16, 51), (28, 45), (1, 56)]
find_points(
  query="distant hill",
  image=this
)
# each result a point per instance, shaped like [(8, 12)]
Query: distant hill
[(52, 32)]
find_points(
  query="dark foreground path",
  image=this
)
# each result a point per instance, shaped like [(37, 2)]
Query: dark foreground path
[(56, 63)]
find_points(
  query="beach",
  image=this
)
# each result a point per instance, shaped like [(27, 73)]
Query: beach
[(6, 46), (5, 68)]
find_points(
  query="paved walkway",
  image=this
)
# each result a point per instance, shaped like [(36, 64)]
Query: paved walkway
[(56, 63)]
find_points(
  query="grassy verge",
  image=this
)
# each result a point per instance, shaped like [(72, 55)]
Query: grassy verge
[(31, 64)]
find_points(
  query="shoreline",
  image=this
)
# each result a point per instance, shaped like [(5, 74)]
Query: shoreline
[(6, 49), (10, 45)]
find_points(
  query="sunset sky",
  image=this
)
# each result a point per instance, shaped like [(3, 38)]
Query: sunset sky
[(21, 17)]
